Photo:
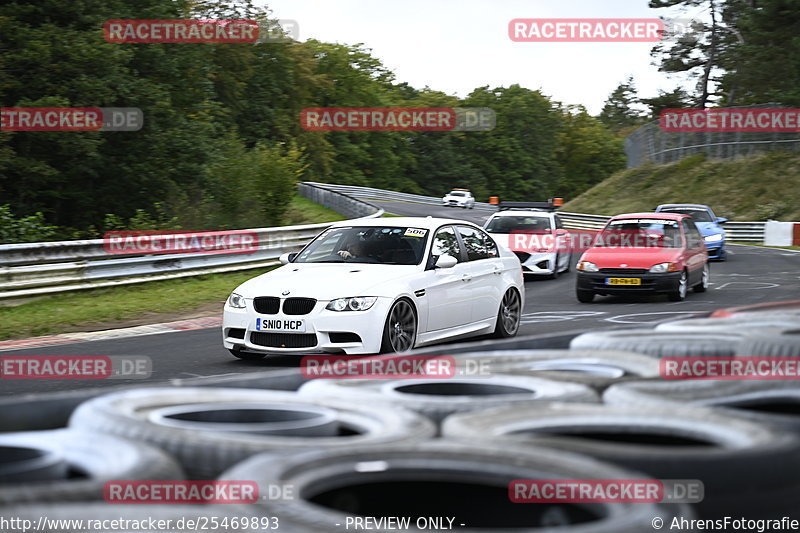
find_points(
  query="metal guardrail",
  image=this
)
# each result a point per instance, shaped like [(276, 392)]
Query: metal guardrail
[(369, 193), (736, 231), (34, 269)]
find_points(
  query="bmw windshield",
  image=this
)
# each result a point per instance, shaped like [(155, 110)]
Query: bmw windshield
[(377, 245)]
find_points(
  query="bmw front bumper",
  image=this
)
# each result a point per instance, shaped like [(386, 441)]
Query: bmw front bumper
[(348, 332)]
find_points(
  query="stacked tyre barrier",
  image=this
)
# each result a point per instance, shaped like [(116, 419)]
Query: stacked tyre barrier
[(416, 453)]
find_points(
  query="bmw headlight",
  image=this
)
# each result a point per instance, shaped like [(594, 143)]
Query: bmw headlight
[(358, 303), (587, 266), (236, 301), (714, 238), (663, 267)]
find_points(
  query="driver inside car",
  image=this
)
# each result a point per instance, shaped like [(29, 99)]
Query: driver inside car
[(354, 250)]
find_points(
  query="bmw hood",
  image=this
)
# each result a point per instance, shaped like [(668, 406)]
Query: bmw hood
[(325, 282)]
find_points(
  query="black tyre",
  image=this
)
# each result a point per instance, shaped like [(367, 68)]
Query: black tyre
[(247, 356), (736, 323), (598, 369), (745, 467), (400, 329), (771, 402), (509, 315), (584, 297), (705, 280), (216, 428), (555, 273), (775, 343), (438, 398), (74, 465), (468, 483), (661, 343), (681, 288)]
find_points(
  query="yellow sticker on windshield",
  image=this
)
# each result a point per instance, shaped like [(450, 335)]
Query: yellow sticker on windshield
[(415, 232)]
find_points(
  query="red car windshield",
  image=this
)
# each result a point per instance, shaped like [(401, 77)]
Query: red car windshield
[(640, 233)]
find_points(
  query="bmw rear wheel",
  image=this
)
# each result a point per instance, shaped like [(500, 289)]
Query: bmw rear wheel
[(509, 315)]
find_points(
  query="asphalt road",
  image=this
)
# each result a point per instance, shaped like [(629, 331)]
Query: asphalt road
[(751, 275)]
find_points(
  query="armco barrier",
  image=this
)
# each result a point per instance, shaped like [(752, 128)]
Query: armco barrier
[(736, 231), (34, 269), (369, 193)]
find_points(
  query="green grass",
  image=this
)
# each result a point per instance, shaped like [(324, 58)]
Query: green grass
[(150, 302), (304, 211), (753, 188), (93, 309)]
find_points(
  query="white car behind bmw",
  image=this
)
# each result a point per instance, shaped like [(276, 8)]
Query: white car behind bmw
[(382, 285)]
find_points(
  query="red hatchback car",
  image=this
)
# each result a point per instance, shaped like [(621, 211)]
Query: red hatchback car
[(644, 252)]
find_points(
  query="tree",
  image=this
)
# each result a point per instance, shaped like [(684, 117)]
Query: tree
[(764, 66), (697, 53), (517, 158), (589, 152), (676, 99), (619, 111)]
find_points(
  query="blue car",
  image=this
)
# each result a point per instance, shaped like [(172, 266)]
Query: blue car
[(707, 222)]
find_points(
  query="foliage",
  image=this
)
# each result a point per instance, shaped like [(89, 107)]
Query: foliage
[(32, 228)]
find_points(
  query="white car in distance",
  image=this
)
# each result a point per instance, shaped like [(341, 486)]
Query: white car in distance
[(381, 285), (459, 198)]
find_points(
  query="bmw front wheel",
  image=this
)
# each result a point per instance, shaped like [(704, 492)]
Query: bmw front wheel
[(400, 330)]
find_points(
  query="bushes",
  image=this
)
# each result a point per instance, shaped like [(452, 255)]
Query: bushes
[(24, 229)]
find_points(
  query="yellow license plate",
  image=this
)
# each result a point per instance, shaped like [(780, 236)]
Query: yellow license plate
[(623, 281)]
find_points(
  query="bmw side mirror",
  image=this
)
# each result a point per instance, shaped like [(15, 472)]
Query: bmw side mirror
[(446, 261), (721, 220), (287, 258)]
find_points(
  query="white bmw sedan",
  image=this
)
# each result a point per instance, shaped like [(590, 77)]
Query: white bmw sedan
[(378, 286)]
